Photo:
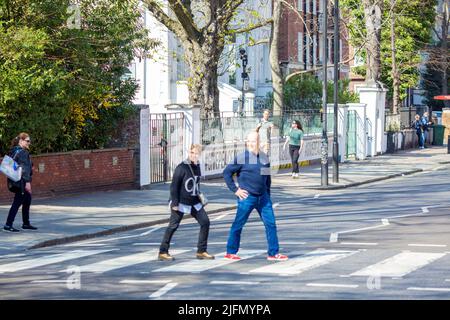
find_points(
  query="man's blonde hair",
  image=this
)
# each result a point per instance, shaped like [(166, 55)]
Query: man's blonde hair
[(197, 147)]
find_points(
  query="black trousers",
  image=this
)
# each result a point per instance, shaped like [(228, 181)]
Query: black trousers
[(294, 153), (175, 219), (23, 200)]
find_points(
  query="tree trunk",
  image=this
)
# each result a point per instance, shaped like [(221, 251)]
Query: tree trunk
[(395, 73), (277, 77), (372, 16)]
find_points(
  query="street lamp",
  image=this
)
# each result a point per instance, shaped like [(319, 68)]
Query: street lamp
[(324, 148), (336, 88), (245, 78)]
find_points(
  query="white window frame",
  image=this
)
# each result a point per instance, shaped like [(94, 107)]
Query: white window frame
[(300, 47)]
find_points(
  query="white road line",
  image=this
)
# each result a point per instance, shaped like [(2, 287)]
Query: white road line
[(235, 282), (447, 280), (276, 205), (86, 245), (124, 261), (217, 243), (332, 285), (148, 243), (49, 281), (425, 210), (194, 266), (335, 235), (150, 231), (359, 243), (46, 260), (145, 281), (222, 216), (163, 290), (427, 245), (316, 196), (429, 289), (13, 255), (305, 262), (399, 265), (291, 243)]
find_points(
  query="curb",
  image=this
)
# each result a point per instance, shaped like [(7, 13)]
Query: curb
[(80, 237), (355, 184)]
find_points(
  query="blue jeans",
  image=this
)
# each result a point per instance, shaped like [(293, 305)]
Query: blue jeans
[(421, 137), (263, 205)]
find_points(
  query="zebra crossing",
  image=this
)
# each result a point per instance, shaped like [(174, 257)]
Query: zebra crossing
[(107, 260)]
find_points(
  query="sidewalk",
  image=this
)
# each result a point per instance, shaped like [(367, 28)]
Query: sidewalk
[(74, 218)]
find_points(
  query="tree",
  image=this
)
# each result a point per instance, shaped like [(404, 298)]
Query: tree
[(66, 85), (202, 27), (277, 76)]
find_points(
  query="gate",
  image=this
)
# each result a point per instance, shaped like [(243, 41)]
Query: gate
[(351, 133), (166, 145)]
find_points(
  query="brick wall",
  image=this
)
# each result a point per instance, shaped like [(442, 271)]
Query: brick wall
[(78, 171)]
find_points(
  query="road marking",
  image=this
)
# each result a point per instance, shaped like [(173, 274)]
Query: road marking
[(194, 266), (124, 261), (222, 216), (13, 255), (217, 243), (150, 231), (427, 245), (291, 243), (429, 289), (46, 260), (305, 262), (399, 265), (359, 243), (235, 282), (335, 235), (145, 281), (86, 245), (332, 285), (163, 290), (425, 210), (276, 205), (50, 281), (447, 280), (316, 196), (148, 243)]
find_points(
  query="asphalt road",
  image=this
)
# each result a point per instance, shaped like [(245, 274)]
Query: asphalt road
[(389, 240)]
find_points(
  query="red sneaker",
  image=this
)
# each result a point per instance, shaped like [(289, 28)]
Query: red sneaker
[(277, 257), (230, 256)]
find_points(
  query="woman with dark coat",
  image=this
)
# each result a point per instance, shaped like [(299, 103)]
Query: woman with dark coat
[(20, 153)]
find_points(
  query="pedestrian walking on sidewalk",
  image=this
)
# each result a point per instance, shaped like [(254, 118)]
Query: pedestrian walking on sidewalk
[(253, 174), (22, 189), (418, 126), (426, 126), (296, 142), (264, 129), (184, 195)]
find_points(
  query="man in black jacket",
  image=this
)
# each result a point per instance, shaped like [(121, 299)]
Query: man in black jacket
[(184, 192)]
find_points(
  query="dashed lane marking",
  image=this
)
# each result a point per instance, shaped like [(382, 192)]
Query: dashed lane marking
[(332, 285)]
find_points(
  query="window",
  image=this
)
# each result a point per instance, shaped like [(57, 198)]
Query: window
[(314, 49), (307, 6), (308, 50), (300, 5), (314, 6), (300, 47)]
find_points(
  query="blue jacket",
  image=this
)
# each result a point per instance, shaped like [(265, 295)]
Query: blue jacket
[(418, 125), (425, 121), (22, 157), (253, 173)]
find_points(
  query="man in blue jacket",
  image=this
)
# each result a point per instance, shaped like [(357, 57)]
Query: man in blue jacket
[(253, 173)]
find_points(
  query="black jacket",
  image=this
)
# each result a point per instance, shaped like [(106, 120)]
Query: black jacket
[(22, 157), (184, 187)]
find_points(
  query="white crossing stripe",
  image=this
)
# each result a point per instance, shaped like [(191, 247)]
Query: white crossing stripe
[(359, 243), (427, 245), (430, 289), (305, 262), (163, 290), (145, 281), (203, 265), (46, 260), (124, 261), (399, 265), (235, 282), (332, 285)]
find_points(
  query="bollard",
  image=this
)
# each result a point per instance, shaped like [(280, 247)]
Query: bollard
[(448, 144)]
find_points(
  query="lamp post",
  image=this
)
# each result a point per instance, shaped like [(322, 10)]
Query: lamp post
[(244, 75), (324, 148), (336, 88)]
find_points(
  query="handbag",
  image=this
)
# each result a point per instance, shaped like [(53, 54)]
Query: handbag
[(10, 168), (201, 196)]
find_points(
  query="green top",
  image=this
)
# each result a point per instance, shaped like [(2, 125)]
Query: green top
[(295, 137)]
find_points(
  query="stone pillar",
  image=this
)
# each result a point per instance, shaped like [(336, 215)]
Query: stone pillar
[(446, 123), (375, 99), (144, 141)]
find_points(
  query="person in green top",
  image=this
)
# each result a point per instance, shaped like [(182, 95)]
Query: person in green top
[(295, 140)]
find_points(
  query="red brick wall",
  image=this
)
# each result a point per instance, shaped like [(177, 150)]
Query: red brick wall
[(65, 173)]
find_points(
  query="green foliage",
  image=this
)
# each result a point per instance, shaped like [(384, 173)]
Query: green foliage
[(66, 86), (413, 22), (305, 92)]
